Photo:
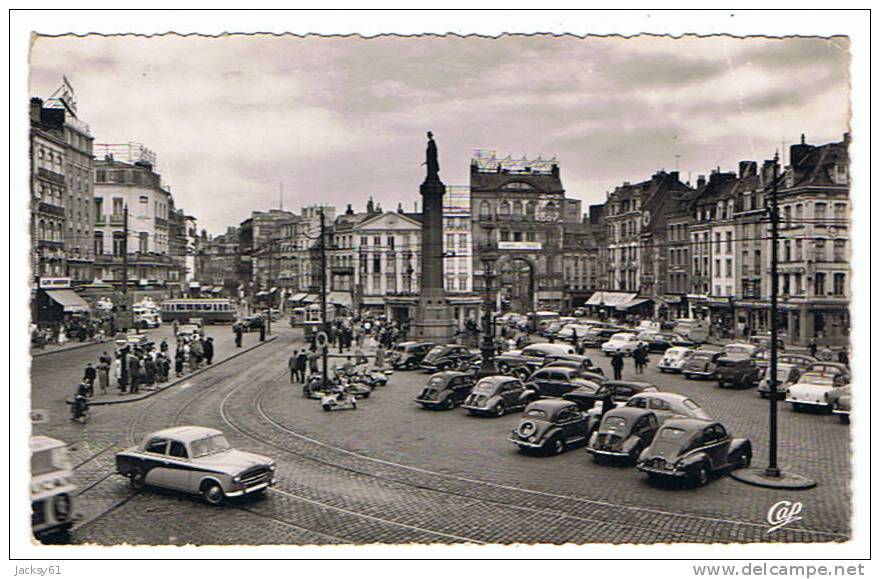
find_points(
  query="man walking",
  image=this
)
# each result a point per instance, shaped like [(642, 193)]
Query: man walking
[(104, 375), (301, 361), (238, 332), (208, 348), (617, 365), (89, 378), (291, 365)]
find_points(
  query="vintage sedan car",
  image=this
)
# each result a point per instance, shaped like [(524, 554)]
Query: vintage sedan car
[(195, 460), (495, 396), (831, 368), (581, 363), (623, 343), (736, 372), (674, 359), (554, 381), (841, 401), (448, 357), (739, 350), (814, 390), (572, 332), (701, 365), (409, 355), (446, 390), (530, 358), (786, 375), (623, 433), (598, 335), (551, 426), (251, 323), (668, 405), (623, 390), (692, 450)]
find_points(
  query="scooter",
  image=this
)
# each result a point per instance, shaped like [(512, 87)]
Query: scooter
[(80, 410), (339, 400)]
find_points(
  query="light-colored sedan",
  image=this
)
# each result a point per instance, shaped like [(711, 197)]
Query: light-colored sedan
[(623, 343), (666, 405), (674, 359), (195, 460), (814, 390), (786, 375)]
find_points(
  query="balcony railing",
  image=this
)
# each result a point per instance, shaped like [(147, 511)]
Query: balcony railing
[(51, 209), (50, 175)]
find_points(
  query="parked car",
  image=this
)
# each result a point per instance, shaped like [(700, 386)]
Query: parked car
[(446, 390), (622, 390), (195, 460), (530, 358), (738, 350), (674, 359), (662, 341), (146, 320), (551, 426), (495, 396), (572, 332), (623, 433), (668, 405), (701, 364), (582, 363), (598, 335), (692, 450), (802, 361), (622, 343), (449, 357), (736, 372), (251, 323), (841, 402), (553, 382), (786, 375), (814, 390), (831, 368), (409, 355)]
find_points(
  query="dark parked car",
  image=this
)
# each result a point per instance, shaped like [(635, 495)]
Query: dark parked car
[(691, 449), (449, 357), (524, 362), (595, 337), (582, 363), (737, 372), (701, 365), (623, 433), (409, 355), (551, 426), (592, 398), (251, 323), (554, 381), (622, 390), (662, 341), (495, 396), (446, 390)]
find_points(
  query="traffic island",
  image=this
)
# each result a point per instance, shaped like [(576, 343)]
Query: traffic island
[(108, 399), (784, 480)]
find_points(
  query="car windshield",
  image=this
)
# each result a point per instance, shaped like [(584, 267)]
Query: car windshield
[(437, 381), (46, 461), (690, 404), (620, 338), (703, 355), (817, 379), (536, 413), (733, 349), (672, 434), (485, 388), (615, 423), (209, 445)]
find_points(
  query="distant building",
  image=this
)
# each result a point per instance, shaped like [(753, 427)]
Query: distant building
[(217, 264), (517, 209), (457, 241)]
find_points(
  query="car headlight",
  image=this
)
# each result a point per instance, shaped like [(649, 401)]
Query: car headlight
[(272, 466), (533, 438), (236, 479)]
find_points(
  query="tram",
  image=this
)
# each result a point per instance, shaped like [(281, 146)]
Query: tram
[(52, 489), (210, 310), (311, 318)]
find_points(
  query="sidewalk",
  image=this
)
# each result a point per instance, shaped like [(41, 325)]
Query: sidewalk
[(70, 345), (224, 350)]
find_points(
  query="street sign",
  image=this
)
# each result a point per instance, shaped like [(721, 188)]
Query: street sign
[(121, 340), (321, 339), (39, 416)]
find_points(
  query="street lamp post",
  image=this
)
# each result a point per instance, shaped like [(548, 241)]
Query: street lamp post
[(773, 476), (487, 347)]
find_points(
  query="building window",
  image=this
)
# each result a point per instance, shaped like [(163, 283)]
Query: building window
[(118, 243), (819, 212), (839, 284), (840, 211), (118, 206), (728, 268), (517, 208), (819, 284), (729, 242), (485, 210), (839, 250), (819, 250), (377, 263), (504, 235), (787, 253), (99, 242), (504, 208)]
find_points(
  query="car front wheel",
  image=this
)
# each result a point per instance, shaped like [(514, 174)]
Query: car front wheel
[(212, 493), (499, 409), (504, 368), (138, 480), (700, 476), (743, 460), (558, 446)]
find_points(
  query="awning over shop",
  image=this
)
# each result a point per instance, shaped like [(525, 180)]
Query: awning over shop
[(208, 288), (373, 301), (340, 299), (297, 297), (673, 299), (193, 285), (633, 303), (610, 298), (311, 299), (71, 302), (217, 289)]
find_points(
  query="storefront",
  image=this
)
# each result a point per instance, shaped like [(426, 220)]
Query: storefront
[(673, 307), (603, 304), (55, 302), (638, 307)]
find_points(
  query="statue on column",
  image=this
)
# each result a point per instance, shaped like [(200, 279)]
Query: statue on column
[(431, 159)]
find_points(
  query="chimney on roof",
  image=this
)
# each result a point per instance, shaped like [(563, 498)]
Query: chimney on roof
[(673, 175), (554, 170), (36, 108), (701, 180), (349, 210), (747, 168), (400, 207), (799, 152), (767, 171), (370, 208)]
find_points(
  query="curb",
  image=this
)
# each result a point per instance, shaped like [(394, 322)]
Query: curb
[(68, 349), (146, 395)]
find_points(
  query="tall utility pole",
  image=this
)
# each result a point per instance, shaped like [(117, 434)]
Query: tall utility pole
[(128, 318), (269, 298), (323, 247), (772, 476), (772, 467)]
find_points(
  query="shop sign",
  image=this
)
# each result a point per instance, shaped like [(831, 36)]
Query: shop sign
[(54, 282)]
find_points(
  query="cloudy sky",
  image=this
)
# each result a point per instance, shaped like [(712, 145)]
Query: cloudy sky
[(339, 119)]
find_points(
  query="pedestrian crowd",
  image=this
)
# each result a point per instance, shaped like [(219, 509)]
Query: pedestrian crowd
[(137, 366), (74, 329)]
